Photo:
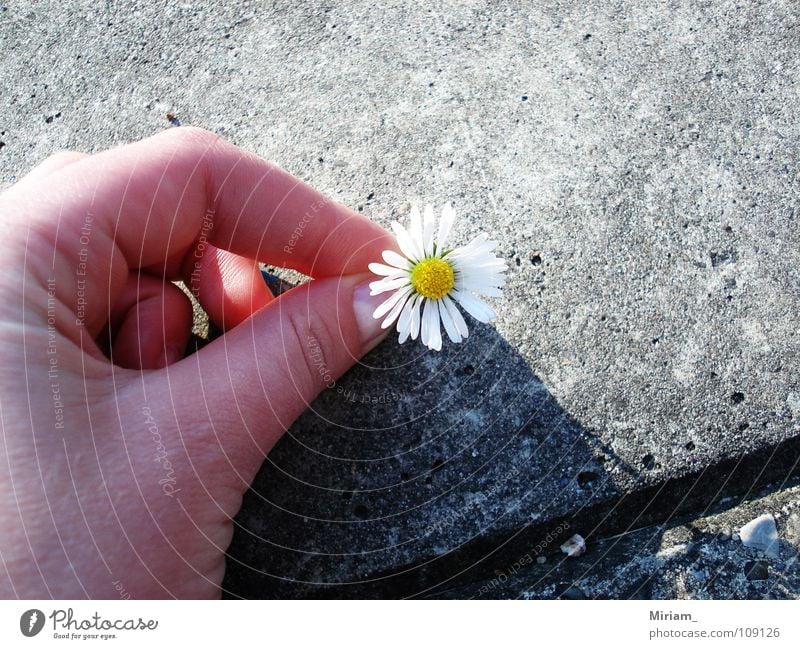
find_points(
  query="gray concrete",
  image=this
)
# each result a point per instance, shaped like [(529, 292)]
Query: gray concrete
[(637, 161), (696, 558)]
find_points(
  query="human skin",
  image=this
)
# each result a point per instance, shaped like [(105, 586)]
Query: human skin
[(125, 476)]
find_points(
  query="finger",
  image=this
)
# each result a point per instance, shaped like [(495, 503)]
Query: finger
[(150, 323), (52, 164), (244, 389), (144, 203), (229, 287)]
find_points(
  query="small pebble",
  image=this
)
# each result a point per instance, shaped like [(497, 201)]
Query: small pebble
[(756, 571), (575, 546), (761, 534)]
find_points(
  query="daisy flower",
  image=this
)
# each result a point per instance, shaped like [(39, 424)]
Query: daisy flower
[(429, 278)]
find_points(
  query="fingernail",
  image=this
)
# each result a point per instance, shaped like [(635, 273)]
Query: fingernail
[(364, 306)]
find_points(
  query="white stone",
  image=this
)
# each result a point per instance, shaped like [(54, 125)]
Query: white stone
[(575, 546), (761, 534)]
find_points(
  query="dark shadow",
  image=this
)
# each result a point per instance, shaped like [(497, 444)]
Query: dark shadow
[(422, 472), (693, 556), (417, 469)]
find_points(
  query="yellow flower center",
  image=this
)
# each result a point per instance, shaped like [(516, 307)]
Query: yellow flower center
[(433, 278)]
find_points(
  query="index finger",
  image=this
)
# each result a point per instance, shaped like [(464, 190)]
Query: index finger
[(145, 203)]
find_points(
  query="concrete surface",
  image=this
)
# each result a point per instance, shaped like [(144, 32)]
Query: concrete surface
[(696, 558), (637, 161)]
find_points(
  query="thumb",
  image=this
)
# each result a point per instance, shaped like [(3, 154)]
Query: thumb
[(247, 387)]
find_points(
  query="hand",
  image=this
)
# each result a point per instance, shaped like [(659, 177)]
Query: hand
[(121, 479)]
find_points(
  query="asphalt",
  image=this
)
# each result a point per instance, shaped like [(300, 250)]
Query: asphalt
[(636, 161)]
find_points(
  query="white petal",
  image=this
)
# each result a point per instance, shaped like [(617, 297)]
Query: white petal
[(387, 305), (474, 243), (446, 222), (395, 309), (404, 240), (404, 321), (416, 233), (386, 284), (427, 231), (394, 259), (495, 281), (415, 317), (455, 314), (474, 257), (387, 271), (482, 243), (488, 262), (490, 278), (431, 331), (478, 309), (447, 321), (424, 324), (491, 263), (464, 269), (480, 280), (479, 246), (479, 288)]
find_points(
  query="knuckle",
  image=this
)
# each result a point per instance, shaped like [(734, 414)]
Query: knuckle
[(200, 145), (314, 341)]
